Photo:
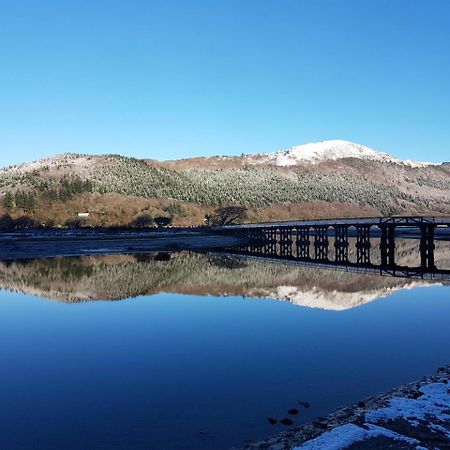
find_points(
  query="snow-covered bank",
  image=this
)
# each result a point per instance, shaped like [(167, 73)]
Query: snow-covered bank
[(413, 416)]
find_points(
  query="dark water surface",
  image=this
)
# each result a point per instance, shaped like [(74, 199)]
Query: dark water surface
[(191, 362)]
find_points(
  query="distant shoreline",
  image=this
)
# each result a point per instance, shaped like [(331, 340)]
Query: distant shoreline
[(49, 243)]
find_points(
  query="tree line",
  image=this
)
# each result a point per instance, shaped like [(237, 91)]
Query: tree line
[(68, 188), (21, 200), (28, 200)]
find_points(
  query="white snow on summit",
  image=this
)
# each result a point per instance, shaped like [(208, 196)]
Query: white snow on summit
[(316, 152)]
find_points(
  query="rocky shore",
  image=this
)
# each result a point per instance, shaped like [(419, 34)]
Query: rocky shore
[(413, 416)]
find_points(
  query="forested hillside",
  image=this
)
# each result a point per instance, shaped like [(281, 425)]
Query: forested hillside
[(116, 190)]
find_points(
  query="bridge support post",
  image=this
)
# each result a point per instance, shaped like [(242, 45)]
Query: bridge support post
[(321, 242), (387, 245), (261, 241), (252, 245), (302, 242), (270, 242), (242, 247), (427, 247), (285, 242), (341, 243), (258, 241), (363, 244)]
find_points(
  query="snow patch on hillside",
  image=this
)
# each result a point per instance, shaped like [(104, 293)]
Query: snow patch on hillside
[(64, 159), (312, 153), (317, 152), (67, 163)]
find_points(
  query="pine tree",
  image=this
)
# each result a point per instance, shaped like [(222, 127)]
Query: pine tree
[(30, 202), (19, 199), (8, 201)]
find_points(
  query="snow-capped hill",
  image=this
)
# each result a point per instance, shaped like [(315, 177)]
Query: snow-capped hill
[(317, 152), (55, 161)]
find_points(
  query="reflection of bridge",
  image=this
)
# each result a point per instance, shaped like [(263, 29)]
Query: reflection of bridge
[(308, 241)]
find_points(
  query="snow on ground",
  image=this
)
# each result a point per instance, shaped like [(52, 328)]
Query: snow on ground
[(348, 434), (434, 403), (430, 409), (65, 159), (316, 152)]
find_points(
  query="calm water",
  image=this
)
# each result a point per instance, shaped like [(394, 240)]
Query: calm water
[(200, 356)]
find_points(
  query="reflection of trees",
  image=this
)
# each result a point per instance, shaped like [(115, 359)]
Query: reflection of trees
[(227, 262), (122, 276)]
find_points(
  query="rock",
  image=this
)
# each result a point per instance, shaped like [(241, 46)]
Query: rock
[(272, 421), (286, 421), (304, 404), (293, 411), (321, 422), (414, 394)]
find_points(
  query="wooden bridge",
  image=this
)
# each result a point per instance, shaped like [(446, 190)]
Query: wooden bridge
[(309, 240)]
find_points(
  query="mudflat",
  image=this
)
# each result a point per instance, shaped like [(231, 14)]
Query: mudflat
[(82, 242)]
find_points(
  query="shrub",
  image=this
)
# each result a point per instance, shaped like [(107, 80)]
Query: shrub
[(142, 221), (162, 221)]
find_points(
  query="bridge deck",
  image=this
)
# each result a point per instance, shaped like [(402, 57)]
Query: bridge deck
[(399, 221)]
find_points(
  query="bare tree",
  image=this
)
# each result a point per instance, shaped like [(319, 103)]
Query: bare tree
[(227, 215)]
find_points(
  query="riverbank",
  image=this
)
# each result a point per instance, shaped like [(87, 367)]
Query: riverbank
[(413, 416), (41, 243)]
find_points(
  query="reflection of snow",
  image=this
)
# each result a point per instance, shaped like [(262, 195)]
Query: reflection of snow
[(331, 300)]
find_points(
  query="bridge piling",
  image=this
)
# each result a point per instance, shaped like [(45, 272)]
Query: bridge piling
[(427, 247), (271, 241), (321, 242), (341, 243), (387, 245), (285, 242), (363, 244), (303, 242)]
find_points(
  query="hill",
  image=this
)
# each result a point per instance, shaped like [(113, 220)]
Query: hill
[(331, 178)]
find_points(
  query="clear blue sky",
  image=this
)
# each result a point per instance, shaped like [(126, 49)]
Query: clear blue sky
[(168, 79)]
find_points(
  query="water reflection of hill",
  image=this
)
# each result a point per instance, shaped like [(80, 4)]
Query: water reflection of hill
[(121, 276)]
